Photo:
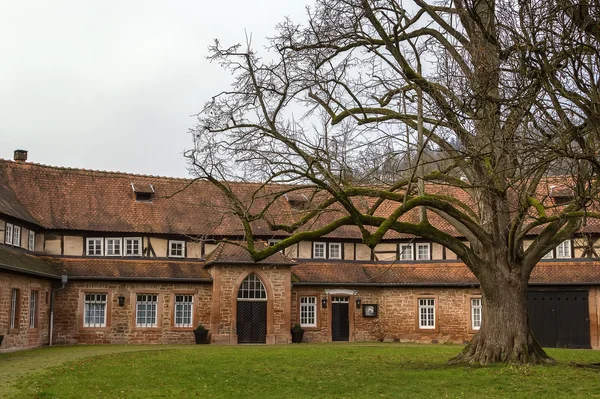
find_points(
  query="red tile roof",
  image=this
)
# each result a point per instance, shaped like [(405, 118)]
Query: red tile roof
[(230, 253)]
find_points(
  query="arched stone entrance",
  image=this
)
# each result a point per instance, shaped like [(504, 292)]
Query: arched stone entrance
[(251, 311)]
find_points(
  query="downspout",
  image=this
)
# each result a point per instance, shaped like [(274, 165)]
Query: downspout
[(63, 280)]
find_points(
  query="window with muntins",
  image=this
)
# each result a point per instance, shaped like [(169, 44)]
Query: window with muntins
[(476, 313), (549, 255), (427, 313), (33, 309), (176, 249), (423, 251), (133, 246), (17, 236), (94, 246), (31, 246), (319, 250), (14, 309), (145, 310), (406, 252), (335, 250), (113, 246), (184, 307), (94, 310), (8, 234), (308, 311), (252, 289), (563, 250)]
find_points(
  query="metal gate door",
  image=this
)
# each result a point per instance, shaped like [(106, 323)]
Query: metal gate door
[(340, 324), (560, 319), (252, 322)]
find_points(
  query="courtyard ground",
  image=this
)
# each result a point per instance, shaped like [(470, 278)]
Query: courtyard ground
[(290, 371)]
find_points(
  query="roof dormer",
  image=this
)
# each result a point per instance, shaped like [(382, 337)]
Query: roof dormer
[(144, 192)]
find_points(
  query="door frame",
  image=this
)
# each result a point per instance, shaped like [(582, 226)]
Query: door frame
[(268, 288), (351, 313)]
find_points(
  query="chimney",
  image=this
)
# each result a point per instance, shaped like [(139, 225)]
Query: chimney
[(21, 155)]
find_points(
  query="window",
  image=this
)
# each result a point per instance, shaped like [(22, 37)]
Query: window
[(145, 310), (8, 234), (563, 250), (133, 246), (94, 310), (549, 255), (427, 313), (94, 246), (252, 289), (176, 249), (319, 250), (14, 309), (273, 241), (113, 246), (406, 252), (423, 251), (308, 311), (184, 306), (33, 309), (335, 250), (476, 313), (31, 245), (17, 236)]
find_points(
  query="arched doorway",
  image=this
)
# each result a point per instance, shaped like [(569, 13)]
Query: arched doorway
[(252, 311)]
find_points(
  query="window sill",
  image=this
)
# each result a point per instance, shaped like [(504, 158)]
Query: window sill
[(95, 328), (311, 328), (183, 329)]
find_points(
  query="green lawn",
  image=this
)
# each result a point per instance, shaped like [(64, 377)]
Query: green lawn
[(290, 371)]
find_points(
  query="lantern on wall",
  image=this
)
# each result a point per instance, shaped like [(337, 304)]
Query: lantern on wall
[(324, 303), (121, 300), (358, 303)]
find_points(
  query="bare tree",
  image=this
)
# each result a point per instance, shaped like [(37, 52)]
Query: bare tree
[(365, 78)]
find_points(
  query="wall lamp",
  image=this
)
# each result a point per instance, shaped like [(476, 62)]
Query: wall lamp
[(324, 303), (121, 300), (358, 303)]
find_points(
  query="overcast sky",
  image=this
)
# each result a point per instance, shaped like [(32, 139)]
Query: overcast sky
[(112, 85)]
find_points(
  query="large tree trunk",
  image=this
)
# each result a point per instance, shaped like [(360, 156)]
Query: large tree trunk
[(505, 335)]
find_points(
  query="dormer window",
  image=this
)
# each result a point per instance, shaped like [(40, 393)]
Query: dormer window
[(297, 201), (31, 241), (94, 246), (319, 250), (335, 250), (133, 246), (563, 251), (17, 236), (8, 234), (176, 249), (143, 192), (561, 194), (113, 246)]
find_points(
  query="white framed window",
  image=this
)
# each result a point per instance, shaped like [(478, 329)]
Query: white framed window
[(133, 246), (94, 309), (176, 249), (93, 246), (252, 289), (184, 310), (113, 246), (8, 234), (423, 251), (427, 313), (273, 241), (549, 255), (308, 311), (17, 236), (145, 310), (335, 250), (319, 250), (563, 250), (31, 245), (33, 309), (476, 313), (405, 252), (14, 309)]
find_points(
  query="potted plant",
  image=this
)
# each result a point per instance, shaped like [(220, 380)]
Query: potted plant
[(200, 334), (297, 334)]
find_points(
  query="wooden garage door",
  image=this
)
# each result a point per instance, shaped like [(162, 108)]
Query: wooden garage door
[(560, 319)]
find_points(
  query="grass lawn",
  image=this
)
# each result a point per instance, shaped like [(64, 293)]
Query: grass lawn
[(291, 371)]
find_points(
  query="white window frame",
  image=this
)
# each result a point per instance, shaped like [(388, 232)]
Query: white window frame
[(308, 311), (128, 240), (566, 252), (402, 253), (96, 240), (339, 247), (549, 255), (324, 248), (31, 242), (476, 313), (427, 252), (172, 253), (184, 311), (107, 246), (144, 317), (95, 309), (17, 236), (427, 313), (33, 308), (8, 234)]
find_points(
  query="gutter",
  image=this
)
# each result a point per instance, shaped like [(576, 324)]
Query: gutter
[(473, 285), (153, 279)]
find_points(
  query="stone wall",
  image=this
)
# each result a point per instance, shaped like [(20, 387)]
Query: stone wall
[(24, 336), (120, 326)]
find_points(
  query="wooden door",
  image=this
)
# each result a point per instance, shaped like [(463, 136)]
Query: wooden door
[(340, 323), (251, 322)]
